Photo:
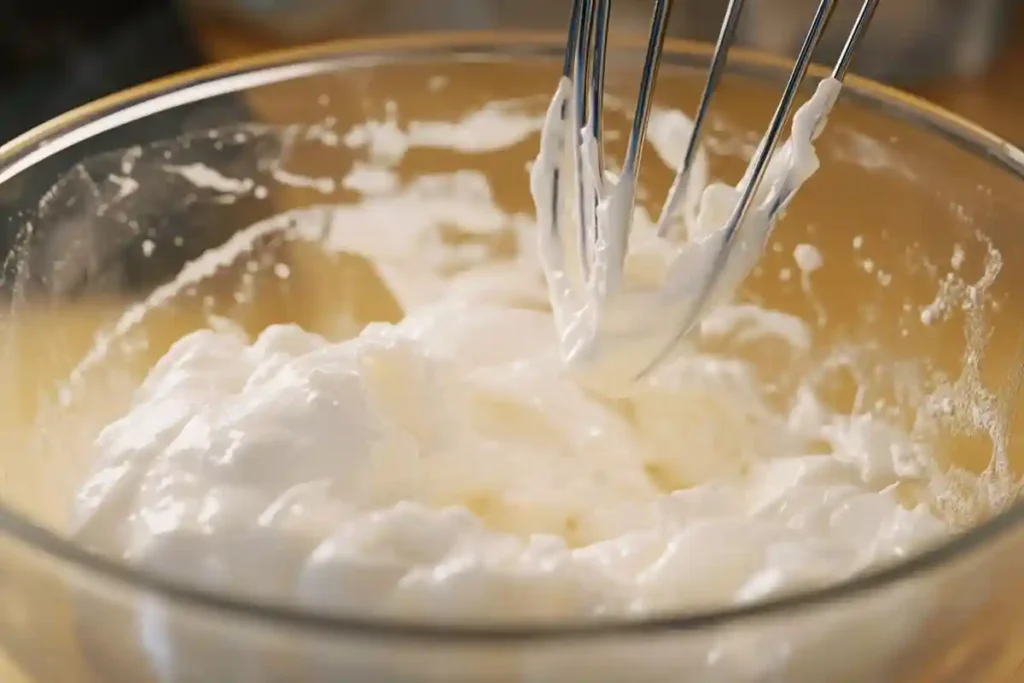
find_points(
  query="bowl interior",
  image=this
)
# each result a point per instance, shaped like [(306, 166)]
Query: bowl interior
[(246, 208)]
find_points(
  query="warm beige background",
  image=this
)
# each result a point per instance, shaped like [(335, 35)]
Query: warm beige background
[(996, 100)]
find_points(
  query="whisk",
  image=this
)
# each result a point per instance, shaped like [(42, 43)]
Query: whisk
[(602, 232)]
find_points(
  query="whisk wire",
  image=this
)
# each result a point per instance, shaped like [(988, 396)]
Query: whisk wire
[(580, 101), (601, 18), (635, 144), (755, 174), (645, 96), (719, 59), (585, 59), (860, 27), (567, 71), (771, 138)]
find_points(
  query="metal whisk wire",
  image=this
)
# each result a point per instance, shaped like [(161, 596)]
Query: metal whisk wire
[(585, 59), (586, 55)]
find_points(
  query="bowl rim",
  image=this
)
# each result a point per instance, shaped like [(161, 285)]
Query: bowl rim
[(277, 66)]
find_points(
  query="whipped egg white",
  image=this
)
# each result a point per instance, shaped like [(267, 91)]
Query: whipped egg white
[(452, 466)]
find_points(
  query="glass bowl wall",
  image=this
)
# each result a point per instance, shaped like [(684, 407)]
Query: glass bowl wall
[(102, 208)]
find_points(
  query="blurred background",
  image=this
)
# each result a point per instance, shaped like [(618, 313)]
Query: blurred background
[(967, 55)]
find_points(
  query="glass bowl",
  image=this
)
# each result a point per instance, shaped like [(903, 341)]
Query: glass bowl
[(110, 214)]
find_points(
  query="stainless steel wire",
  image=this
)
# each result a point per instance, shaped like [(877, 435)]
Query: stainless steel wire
[(585, 64)]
